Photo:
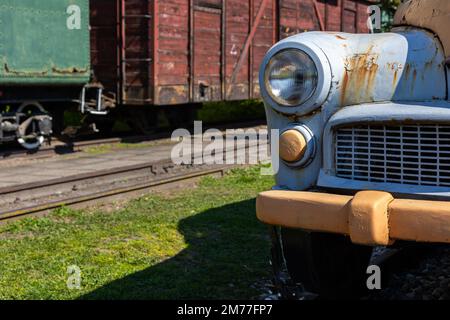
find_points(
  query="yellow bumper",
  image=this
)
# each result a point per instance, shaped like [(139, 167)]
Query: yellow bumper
[(369, 217)]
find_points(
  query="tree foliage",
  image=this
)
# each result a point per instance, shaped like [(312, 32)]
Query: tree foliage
[(388, 8)]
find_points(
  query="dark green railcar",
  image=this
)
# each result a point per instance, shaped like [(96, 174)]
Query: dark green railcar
[(44, 42), (44, 62)]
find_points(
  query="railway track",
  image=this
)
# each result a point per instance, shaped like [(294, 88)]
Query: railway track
[(99, 187), (58, 147), (42, 194)]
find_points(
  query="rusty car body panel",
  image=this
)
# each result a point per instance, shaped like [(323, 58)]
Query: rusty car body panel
[(365, 69), (380, 116)]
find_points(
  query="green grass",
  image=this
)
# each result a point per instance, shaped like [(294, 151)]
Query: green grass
[(202, 243)]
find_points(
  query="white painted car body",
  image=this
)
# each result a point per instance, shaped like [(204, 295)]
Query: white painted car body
[(396, 76)]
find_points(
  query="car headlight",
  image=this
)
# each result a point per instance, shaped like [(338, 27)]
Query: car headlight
[(291, 77)]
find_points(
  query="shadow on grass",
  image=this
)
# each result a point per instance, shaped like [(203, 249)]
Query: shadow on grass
[(226, 255)]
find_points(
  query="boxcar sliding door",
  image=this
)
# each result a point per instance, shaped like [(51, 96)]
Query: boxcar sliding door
[(206, 50), (136, 61), (121, 48)]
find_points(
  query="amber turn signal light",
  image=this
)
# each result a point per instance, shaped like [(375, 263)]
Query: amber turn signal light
[(293, 146)]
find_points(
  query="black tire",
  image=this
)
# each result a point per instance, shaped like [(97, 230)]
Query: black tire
[(328, 265)]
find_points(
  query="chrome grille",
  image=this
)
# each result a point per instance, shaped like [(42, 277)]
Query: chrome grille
[(404, 154)]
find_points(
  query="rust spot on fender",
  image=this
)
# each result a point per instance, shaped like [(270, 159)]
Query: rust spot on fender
[(394, 80), (407, 71), (428, 65), (344, 88), (340, 37), (413, 84), (395, 68), (359, 78)]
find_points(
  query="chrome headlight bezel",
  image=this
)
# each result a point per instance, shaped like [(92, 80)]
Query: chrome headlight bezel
[(323, 78), (290, 77)]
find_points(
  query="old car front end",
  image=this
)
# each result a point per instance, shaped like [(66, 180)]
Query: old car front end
[(364, 149)]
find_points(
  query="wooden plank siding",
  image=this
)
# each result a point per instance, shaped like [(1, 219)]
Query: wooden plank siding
[(195, 46), (104, 44)]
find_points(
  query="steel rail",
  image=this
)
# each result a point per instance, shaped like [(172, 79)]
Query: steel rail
[(106, 194), (78, 177)]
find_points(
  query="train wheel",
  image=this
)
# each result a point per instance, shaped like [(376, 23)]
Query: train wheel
[(31, 138), (325, 264)]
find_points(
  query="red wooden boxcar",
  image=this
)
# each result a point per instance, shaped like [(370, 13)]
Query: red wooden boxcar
[(152, 52)]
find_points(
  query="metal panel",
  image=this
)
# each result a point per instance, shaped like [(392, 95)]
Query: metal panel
[(433, 114), (39, 45), (366, 69), (415, 154)]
